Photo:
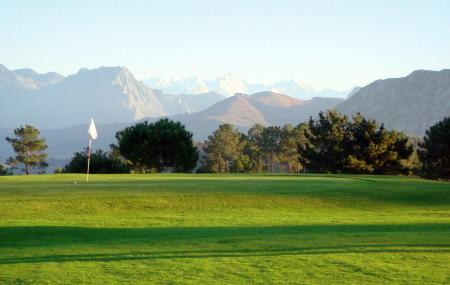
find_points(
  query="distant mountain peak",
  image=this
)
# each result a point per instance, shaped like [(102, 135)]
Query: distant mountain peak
[(276, 99), (230, 84), (423, 74), (42, 79), (26, 78)]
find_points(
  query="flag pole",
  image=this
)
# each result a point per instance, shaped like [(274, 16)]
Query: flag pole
[(92, 132), (89, 160)]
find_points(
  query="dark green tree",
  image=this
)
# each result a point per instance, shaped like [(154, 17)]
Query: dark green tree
[(161, 146), (270, 145), (253, 148), (434, 151), (243, 162), (29, 148), (101, 162), (224, 148), (301, 134), (338, 145), (291, 139), (324, 150), (4, 170), (373, 149)]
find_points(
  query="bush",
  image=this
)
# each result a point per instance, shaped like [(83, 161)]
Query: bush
[(101, 162)]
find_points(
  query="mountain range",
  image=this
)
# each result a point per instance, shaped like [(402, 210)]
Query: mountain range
[(110, 94), (61, 106), (229, 84)]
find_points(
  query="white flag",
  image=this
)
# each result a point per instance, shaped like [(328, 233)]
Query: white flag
[(92, 132)]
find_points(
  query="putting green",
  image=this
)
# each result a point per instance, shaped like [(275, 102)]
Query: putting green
[(224, 229)]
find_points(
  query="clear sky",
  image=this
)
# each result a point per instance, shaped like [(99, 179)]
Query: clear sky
[(336, 44)]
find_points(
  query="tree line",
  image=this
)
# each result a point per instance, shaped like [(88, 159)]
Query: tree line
[(330, 143)]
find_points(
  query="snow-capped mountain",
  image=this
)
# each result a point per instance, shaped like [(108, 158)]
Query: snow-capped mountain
[(294, 88), (229, 85)]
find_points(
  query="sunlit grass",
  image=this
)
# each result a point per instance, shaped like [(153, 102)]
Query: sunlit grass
[(222, 229)]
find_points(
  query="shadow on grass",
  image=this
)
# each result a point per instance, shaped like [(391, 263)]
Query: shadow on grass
[(360, 249), (203, 242)]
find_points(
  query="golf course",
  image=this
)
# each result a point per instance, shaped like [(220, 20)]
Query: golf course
[(224, 229)]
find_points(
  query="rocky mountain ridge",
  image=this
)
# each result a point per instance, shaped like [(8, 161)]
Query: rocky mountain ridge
[(410, 104)]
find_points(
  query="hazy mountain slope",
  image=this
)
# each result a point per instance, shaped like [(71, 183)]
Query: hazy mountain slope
[(354, 91), (243, 111), (411, 104), (199, 102)]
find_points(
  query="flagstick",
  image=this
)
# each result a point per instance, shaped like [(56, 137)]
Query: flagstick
[(89, 160)]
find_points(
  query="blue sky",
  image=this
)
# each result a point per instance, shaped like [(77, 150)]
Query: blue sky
[(337, 44)]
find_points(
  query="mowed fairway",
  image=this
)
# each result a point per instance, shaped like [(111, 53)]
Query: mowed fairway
[(224, 229)]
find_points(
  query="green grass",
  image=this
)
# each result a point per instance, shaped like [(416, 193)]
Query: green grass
[(224, 229)]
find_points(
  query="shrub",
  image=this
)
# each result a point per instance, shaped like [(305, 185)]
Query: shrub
[(101, 162)]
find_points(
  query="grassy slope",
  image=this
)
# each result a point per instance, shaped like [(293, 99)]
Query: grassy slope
[(224, 229)]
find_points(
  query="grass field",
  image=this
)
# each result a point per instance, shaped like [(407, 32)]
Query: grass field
[(224, 229)]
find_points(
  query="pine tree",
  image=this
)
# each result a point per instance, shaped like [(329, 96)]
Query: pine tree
[(270, 145), (289, 154), (373, 149), (324, 150), (253, 148), (224, 147), (29, 149), (434, 151), (164, 145), (336, 144)]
